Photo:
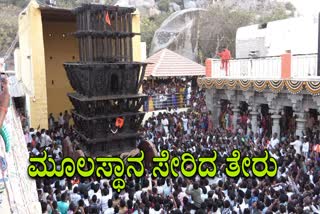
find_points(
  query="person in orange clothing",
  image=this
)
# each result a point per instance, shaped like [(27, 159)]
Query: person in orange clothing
[(225, 56)]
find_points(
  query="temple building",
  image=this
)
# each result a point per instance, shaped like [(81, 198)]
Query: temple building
[(284, 88)]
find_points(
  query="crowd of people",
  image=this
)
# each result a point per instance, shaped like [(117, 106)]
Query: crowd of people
[(173, 93), (295, 188)]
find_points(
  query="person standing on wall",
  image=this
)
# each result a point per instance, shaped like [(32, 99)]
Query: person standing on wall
[(225, 56)]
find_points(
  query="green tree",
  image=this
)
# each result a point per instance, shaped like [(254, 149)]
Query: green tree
[(149, 25), (18, 3), (276, 11), (163, 5), (8, 26), (218, 26)]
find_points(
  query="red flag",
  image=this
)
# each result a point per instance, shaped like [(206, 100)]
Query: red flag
[(108, 19)]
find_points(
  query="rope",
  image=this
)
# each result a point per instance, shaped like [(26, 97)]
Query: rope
[(11, 48)]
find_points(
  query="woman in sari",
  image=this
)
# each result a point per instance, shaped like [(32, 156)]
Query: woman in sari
[(181, 96), (210, 122)]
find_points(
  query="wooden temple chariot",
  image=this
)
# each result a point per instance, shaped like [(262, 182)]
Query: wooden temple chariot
[(106, 81)]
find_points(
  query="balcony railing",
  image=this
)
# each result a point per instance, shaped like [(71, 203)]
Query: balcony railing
[(265, 68), (304, 65), (164, 101)]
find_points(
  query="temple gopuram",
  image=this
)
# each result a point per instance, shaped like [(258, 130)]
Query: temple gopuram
[(106, 80)]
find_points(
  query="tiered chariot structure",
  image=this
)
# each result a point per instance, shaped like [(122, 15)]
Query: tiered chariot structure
[(106, 80)]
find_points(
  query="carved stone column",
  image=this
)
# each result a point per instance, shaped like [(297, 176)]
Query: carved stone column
[(254, 118), (270, 98), (276, 123), (216, 113), (213, 105), (316, 99), (248, 96), (233, 99), (301, 124), (296, 101), (236, 114), (209, 98), (297, 107)]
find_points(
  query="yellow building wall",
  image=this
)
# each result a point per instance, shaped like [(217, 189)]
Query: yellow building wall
[(136, 46), (31, 43), (136, 41), (60, 47), (50, 45)]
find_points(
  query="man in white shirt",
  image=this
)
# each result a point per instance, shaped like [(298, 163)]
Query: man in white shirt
[(305, 148), (36, 150), (185, 123), (61, 120), (137, 194), (297, 145), (188, 93), (241, 205), (56, 149), (45, 139), (274, 141), (106, 196), (48, 140), (165, 125), (32, 132), (75, 197), (156, 210), (110, 209)]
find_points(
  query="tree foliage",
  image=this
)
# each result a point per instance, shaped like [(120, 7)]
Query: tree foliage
[(17, 3), (149, 25), (8, 26), (164, 5), (218, 26)]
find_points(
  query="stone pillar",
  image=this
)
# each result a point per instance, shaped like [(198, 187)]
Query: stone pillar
[(209, 99), (254, 121), (216, 114), (213, 105), (236, 113), (276, 124), (301, 124), (318, 113)]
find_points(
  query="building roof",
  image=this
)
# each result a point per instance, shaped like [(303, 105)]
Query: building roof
[(167, 63), (54, 13), (58, 14)]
